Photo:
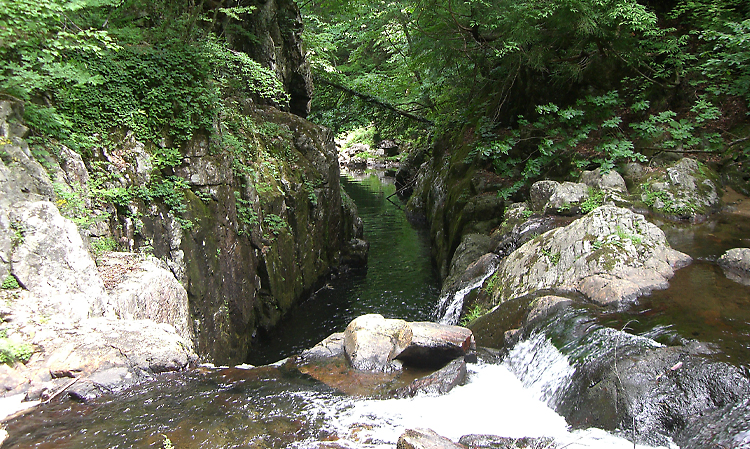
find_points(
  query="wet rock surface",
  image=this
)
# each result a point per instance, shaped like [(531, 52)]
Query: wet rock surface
[(390, 358), (618, 381), (736, 265), (425, 439), (497, 442)]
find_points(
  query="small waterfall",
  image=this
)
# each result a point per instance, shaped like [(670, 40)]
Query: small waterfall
[(450, 304), (541, 367), (493, 402)]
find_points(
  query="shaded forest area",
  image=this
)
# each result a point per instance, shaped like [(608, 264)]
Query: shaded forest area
[(541, 88)]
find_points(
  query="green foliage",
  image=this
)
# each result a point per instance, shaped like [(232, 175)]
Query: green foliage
[(171, 190), (595, 199), (245, 213), (492, 285), (476, 312), (275, 223), (101, 245), (10, 282), (19, 233), (235, 72), (666, 204), (12, 352), (727, 59)]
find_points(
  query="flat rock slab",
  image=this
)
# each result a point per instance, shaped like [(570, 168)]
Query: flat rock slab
[(425, 439), (434, 344)]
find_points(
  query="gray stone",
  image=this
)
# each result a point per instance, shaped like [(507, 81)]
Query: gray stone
[(331, 347), (736, 258), (440, 382), (425, 439), (472, 247), (736, 265), (543, 306), (610, 181), (687, 189), (53, 263), (553, 197), (145, 289), (371, 342), (434, 344), (610, 247)]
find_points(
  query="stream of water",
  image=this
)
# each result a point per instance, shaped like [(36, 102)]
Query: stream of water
[(399, 281), (277, 406)]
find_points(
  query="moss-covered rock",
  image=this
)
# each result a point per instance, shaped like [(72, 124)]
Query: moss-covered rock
[(611, 256), (455, 198), (686, 189)]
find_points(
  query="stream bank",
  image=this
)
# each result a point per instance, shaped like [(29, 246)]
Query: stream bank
[(582, 248)]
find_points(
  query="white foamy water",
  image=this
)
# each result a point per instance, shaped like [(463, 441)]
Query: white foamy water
[(541, 368), (494, 402), (453, 310)]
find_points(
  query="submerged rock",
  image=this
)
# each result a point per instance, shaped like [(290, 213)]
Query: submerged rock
[(425, 439), (736, 265), (612, 256)]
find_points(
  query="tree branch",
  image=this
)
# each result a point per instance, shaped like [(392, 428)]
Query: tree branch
[(370, 99)]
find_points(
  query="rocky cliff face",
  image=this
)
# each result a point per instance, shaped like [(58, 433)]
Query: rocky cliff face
[(455, 198), (248, 228), (273, 37)]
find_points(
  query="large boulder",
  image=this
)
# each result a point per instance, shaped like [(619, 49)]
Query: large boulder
[(101, 354), (597, 376), (604, 181), (143, 288), (687, 189), (611, 256), (434, 344), (728, 426), (371, 342), (554, 197), (51, 260)]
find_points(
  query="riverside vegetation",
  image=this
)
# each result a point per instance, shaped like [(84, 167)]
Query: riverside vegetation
[(177, 130)]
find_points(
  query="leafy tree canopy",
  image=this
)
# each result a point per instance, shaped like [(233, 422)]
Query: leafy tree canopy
[(538, 78)]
